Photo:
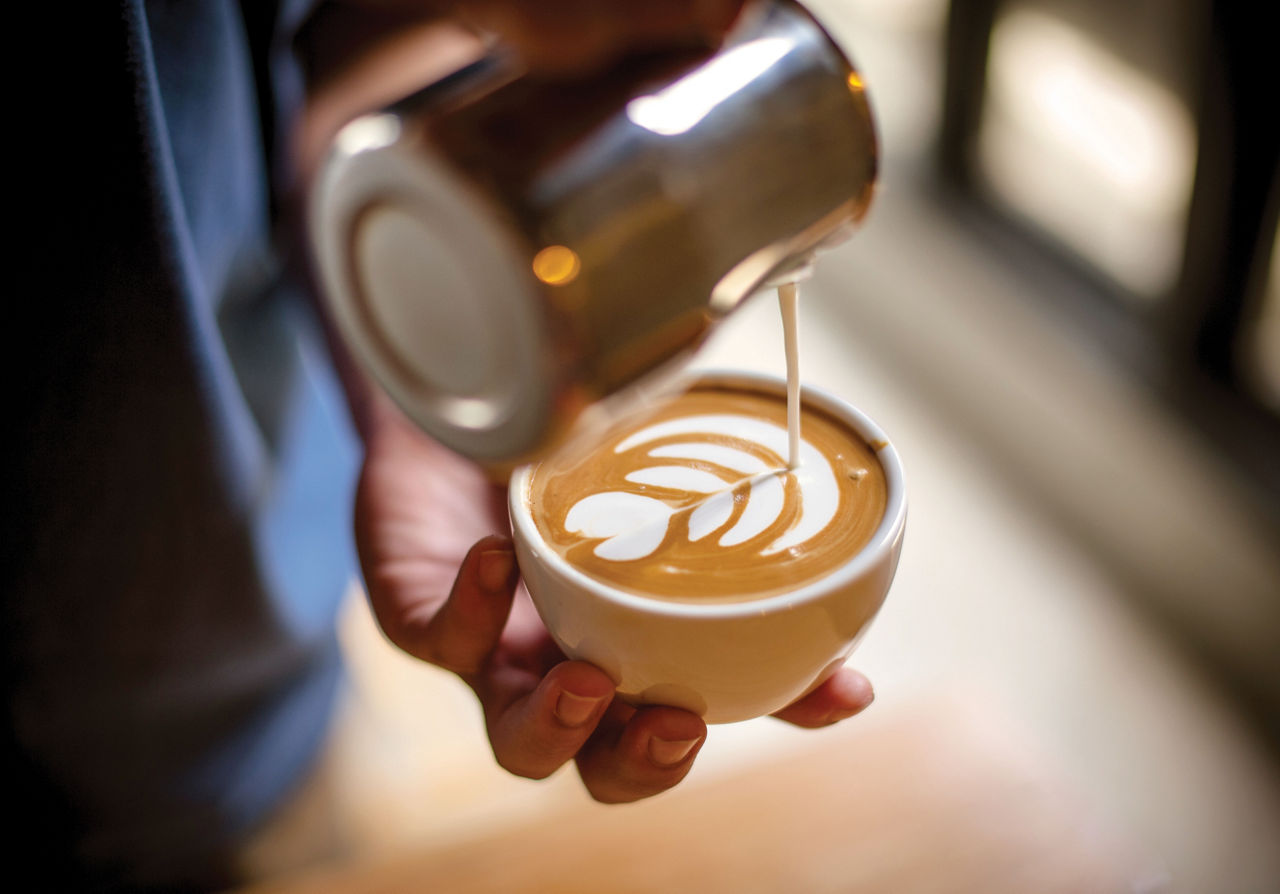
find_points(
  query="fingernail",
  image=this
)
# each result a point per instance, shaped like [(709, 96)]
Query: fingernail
[(495, 569), (840, 714), (574, 710), (669, 752)]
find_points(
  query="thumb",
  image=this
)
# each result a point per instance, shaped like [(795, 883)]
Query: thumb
[(465, 630)]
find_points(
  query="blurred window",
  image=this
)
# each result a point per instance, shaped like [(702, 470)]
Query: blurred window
[(1089, 148), (1132, 146), (1264, 338)]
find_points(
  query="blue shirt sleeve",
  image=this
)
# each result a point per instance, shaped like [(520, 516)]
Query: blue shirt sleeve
[(184, 467)]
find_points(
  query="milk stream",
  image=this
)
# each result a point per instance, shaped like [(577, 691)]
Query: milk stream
[(789, 304), (632, 526)]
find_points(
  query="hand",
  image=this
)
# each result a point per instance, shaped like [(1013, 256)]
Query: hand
[(441, 575), (359, 55), (552, 36), (561, 36)]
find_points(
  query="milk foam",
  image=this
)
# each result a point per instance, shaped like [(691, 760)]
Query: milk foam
[(633, 525), (693, 501)]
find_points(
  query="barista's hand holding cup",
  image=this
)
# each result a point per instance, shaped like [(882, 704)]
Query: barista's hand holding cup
[(681, 556)]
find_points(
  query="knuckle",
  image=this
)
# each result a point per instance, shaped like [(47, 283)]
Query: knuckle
[(617, 788), (451, 659), (414, 640), (605, 795), (537, 774), (530, 755), (401, 635), (520, 765)]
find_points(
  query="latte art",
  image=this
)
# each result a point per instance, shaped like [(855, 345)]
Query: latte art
[(719, 473), (695, 500)]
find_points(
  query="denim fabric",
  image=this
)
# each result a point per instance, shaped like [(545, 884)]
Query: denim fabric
[(180, 497)]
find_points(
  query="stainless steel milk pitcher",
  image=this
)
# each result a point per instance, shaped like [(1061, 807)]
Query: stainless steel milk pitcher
[(503, 251)]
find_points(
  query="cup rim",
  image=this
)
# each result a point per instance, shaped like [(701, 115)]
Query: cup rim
[(875, 551)]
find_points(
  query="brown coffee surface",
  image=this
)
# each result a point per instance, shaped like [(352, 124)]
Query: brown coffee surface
[(694, 533)]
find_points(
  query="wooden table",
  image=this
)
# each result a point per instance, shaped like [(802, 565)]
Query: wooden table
[(932, 796)]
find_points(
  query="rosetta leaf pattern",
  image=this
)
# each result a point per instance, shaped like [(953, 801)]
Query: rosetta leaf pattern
[(632, 526)]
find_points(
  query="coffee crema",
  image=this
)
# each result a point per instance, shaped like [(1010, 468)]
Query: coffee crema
[(693, 500)]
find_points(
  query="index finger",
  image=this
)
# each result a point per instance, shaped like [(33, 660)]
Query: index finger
[(463, 632)]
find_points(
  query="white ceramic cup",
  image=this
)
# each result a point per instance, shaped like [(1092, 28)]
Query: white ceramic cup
[(724, 660)]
